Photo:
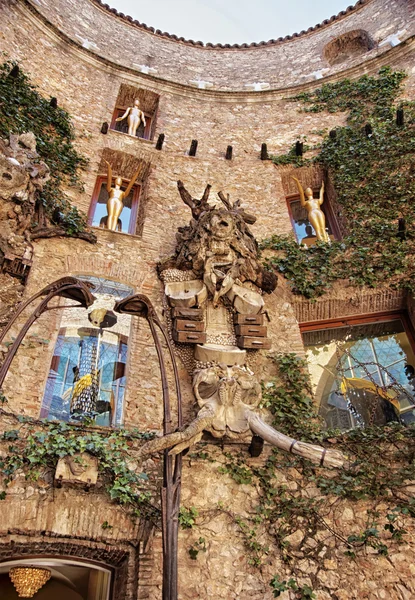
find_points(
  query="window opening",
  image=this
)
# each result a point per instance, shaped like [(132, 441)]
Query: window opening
[(363, 374), (303, 230), (87, 376), (98, 209)]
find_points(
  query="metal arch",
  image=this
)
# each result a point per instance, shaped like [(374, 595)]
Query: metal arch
[(140, 306), (66, 287)]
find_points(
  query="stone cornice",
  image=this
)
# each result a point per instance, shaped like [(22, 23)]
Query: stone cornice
[(160, 85)]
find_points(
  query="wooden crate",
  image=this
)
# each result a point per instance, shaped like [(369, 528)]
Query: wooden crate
[(182, 325), (187, 337), (190, 314), (248, 319), (256, 343), (251, 330)]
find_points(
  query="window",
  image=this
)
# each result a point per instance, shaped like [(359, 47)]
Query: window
[(87, 376), (303, 230), (363, 373), (98, 210)]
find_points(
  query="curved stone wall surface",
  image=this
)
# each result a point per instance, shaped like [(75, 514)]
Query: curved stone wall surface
[(279, 64), (42, 36)]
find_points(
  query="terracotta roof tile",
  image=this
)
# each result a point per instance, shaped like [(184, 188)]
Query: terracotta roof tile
[(164, 34)]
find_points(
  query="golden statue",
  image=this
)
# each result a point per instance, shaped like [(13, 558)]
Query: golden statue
[(116, 196), (315, 215), (135, 116)]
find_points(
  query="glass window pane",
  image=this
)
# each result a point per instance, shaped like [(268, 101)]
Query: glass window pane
[(362, 374), (87, 373), (99, 218), (303, 230)]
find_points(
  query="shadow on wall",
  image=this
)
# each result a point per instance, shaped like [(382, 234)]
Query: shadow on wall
[(347, 46)]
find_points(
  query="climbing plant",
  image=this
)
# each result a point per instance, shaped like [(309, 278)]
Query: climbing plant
[(34, 448), (294, 497), (371, 162), (23, 109)]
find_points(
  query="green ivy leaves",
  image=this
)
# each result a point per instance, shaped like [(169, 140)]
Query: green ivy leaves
[(23, 109)]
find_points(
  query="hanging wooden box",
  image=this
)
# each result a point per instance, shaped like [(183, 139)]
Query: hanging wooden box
[(182, 325), (256, 343), (251, 330), (190, 314), (187, 337), (248, 319)]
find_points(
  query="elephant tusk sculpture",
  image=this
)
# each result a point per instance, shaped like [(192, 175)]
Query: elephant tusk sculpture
[(227, 396)]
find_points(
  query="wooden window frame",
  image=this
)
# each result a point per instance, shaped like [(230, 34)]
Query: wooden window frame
[(364, 320), (132, 226), (326, 208), (119, 111)]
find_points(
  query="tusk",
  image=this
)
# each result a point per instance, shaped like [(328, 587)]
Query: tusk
[(203, 421), (317, 454), (187, 444)]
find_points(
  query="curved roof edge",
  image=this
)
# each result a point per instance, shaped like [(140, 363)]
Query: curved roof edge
[(176, 38)]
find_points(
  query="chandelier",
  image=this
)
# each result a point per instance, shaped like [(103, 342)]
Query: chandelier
[(29, 580)]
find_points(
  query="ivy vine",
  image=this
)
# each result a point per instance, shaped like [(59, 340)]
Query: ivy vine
[(23, 109), (371, 162), (381, 463), (35, 447)]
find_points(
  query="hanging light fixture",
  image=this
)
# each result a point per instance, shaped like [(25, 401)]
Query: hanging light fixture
[(29, 580)]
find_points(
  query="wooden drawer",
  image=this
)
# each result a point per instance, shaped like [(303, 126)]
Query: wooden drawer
[(254, 342), (248, 319), (251, 330), (190, 314), (182, 325), (187, 337)]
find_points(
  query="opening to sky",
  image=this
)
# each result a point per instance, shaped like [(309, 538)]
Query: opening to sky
[(230, 21)]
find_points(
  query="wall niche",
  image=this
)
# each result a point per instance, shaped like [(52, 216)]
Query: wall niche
[(347, 46), (148, 104), (126, 166)]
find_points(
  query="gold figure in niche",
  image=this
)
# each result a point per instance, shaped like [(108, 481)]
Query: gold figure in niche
[(135, 116), (116, 197), (315, 215)]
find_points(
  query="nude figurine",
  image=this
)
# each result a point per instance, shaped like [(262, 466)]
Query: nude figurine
[(315, 215), (135, 116), (116, 196)]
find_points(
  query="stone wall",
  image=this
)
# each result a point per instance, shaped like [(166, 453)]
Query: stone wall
[(43, 37), (280, 64)]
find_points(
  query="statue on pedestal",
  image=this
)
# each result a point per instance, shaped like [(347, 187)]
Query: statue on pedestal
[(135, 117)]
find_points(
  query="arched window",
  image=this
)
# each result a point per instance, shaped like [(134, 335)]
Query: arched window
[(87, 376), (362, 371)]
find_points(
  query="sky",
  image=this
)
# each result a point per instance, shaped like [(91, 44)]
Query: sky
[(230, 21)]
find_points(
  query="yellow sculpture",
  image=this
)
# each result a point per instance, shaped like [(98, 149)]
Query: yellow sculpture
[(116, 197), (315, 215), (135, 116)]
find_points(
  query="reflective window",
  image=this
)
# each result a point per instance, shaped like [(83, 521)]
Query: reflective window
[(303, 230), (362, 374), (87, 376), (98, 210)]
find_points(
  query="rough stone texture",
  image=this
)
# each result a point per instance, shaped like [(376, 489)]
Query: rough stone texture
[(87, 84), (281, 65)]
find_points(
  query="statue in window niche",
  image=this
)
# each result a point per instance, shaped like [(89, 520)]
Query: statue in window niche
[(315, 215), (134, 117), (116, 197)]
